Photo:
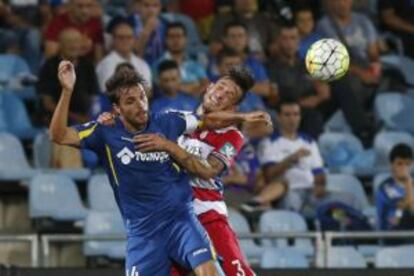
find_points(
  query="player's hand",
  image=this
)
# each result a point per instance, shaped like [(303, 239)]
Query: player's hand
[(150, 142), (66, 75), (106, 119), (257, 117)]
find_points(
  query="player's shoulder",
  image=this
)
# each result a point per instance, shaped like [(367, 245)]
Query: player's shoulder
[(230, 133)]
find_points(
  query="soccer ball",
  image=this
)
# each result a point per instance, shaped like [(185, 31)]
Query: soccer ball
[(327, 60)]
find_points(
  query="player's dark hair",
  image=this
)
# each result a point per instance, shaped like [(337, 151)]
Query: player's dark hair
[(167, 65), (233, 24), (402, 151), (285, 25), (124, 76), (176, 25), (243, 78), (226, 52), (286, 101), (116, 22), (302, 8)]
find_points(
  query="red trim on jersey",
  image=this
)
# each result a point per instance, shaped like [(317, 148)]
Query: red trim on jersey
[(207, 195)]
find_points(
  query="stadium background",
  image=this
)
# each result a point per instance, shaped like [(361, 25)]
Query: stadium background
[(47, 190)]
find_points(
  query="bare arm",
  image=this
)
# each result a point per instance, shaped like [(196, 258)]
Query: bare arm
[(193, 164), (276, 170), (221, 119), (59, 131), (394, 22)]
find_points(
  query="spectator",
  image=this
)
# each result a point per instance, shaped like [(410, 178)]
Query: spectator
[(169, 82), (236, 38), (80, 17), (193, 75), (122, 51), (292, 167), (48, 87), (86, 86), (226, 59), (398, 17), (259, 27), (304, 20), (19, 31), (394, 197), (149, 29), (289, 74), (358, 33)]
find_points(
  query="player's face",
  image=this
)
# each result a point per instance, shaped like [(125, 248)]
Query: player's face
[(82, 9), (222, 96), (289, 41), (289, 117), (176, 40), (123, 39), (401, 168), (149, 8), (236, 39), (133, 105)]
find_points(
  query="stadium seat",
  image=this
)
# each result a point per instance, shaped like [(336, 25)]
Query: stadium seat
[(383, 144), (403, 63), (240, 225), (104, 223), (283, 258), (337, 123), (285, 221), (14, 71), (395, 111), (100, 194), (13, 162), (345, 257), (42, 155), (395, 257), (16, 117), (55, 196), (343, 152)]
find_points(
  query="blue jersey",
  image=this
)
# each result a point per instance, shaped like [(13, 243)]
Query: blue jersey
[(149, 187), (388, 195)]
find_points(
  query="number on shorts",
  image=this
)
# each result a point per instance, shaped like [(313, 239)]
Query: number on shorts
[(240, 271)]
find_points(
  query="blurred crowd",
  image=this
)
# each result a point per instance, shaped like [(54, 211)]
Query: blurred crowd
[(180, 46)]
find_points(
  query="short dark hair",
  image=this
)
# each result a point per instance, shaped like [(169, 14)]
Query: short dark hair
[(226, 52), (286, 24), (402, 151), (124, 76), (233, 24), (174, 25), (243, 78), (167, 65), (116, 22), (286, 101)]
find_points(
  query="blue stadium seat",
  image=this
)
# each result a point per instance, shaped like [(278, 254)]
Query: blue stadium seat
[(395, 111), (283, 258), (13, 69), (403, 63), (16, 117), (395, 257), (285, 221), (13, 162), (100, 194), (345, 257), (55, 196), (240, 225), (337, 123), (42, 155), (383, 144), (104, 223)]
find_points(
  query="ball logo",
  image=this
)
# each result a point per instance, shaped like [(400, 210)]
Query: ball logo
[(125, 155)]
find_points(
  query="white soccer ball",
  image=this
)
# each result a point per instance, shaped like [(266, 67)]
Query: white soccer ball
[(327, 60)]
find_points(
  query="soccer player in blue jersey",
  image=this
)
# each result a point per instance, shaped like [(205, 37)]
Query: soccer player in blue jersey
[(153, 196)]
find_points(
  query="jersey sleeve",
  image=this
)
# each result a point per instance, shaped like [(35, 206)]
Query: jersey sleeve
[(316, 159), (175, 123), (91, 136), (228, 147)]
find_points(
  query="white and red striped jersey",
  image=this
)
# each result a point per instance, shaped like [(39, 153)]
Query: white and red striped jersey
[(224, 144)]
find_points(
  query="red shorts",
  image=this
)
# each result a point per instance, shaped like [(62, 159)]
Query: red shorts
[(228, 249)]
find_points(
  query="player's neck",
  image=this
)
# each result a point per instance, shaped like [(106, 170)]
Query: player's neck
[(132, 127), (291, 135)]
